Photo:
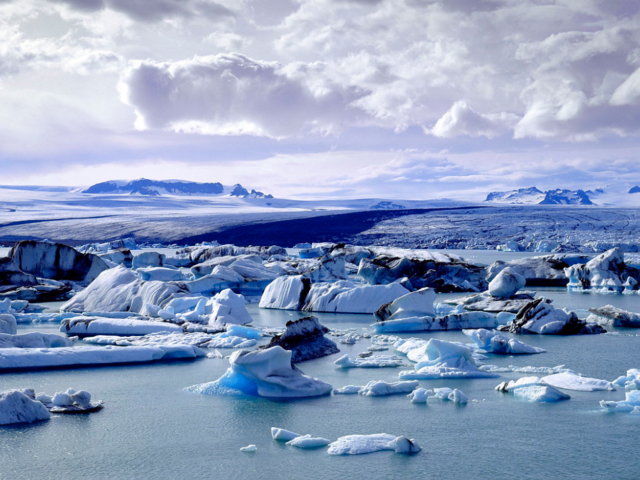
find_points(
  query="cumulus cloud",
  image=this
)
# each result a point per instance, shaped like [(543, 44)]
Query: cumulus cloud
[(233, 94), (463, 120), (227, 41)]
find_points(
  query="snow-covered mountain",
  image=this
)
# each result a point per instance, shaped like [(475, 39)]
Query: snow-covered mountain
[(154, 188), (533, 196)]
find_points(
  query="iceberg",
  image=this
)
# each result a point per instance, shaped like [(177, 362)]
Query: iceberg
[(305, 338), (540, 271), (283, 435), (456, 396), (614, 317), (533, 389), (161, 274), (30, 358), (148, 259), (493, 342), (286, 293), (229, 308), (121, 290), (17, 407), (506, 284), (34, 340), (373, 361), (414, 304), (631, 381), (90, 326), (420, 395), (607, 271), (362, 444), (8, 324), (570, 380), (70, 401), (307, 441), (348, 390), (265, 373), (249, 448), (378, 388), (455, 321), (484, 302), (630, 403), (539, 317), (446, 360)]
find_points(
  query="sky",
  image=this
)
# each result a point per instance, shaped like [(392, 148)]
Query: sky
[(407, 99)]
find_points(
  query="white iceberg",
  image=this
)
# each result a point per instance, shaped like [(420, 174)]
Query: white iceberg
[(455, 321), (413, 304), (89, 326), (630, 381), (283, 435), (362, 444), (533, 389), (421, 395), (630, 403), (229, 308), (506, 284), (148, 259), (540, 317), (493, 342), (17, 407), (348, 390), (265, 373), (573, 381), (34, 340), (446, 360), (372, 361), (8, 324), (307, 441), (614, 317), (378, 388), (249, 448)]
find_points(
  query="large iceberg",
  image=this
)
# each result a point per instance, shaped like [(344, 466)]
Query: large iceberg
[(614, 317), (546, 270), (414, 304), (286, 293), (361, 444), (446, 360), (305, 338), (89, 326), (229, 308), (18, 407), (570, 380), (493, 342), (34, 340), (265, 373), (539, 317), (56, 261), (121, 290), (506, 284), (607, 271), (455, 321), (532, 389)]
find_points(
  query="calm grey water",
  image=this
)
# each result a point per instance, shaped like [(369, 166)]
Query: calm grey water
[(151, 428)]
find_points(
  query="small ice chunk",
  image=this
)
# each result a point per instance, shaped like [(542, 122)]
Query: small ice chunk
[(420, 395), (62, 399), (404, 445), (283, 435), (458, 397), (249, 448), (377, 388), (348, 390), (307, 441)]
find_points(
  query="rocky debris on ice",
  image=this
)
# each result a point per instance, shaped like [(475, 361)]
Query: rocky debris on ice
[(378, 388), (121, 290), (307, 441), (611, 316), (445, 360), (294, 293), (265, 373), (442, 272), (456, 321), (90, 326), (606, 272), (282, 435), (630, 381), (18, 285), (30, 358), (20, 406), (541, 271), (34, 340), (493, 342), (532, 389), (484, 302), (70, 401), (570, 380), (414, 304), (539, 317), (148, 259), (373, 361), (631, 403), (305, 339), (506, 284), (249, 449), (56, 261), (362, 444)]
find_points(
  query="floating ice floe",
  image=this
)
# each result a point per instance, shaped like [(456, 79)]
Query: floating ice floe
[(294, 293), (414, 304), (348, 390), (373, 361), (446, 360), (630, 381), (631, 403), (18, 407), (527, 369), (34, 340), (421, 395), (249, 448), (539, 317), (28, 358), (506, 284), (484, 302), (283, 435), (362, 444), (305, 338), (70, 401), (574, 381), (307, 441), (456, 321), (533, 389), (89, 326), (378, 388), (265, 373), (614, 317), (493, 342)]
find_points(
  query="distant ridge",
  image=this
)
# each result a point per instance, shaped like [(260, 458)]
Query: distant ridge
[(534, 196), (154, 188)]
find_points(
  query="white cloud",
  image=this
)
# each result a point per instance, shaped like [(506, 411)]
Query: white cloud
[(463, 120)]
